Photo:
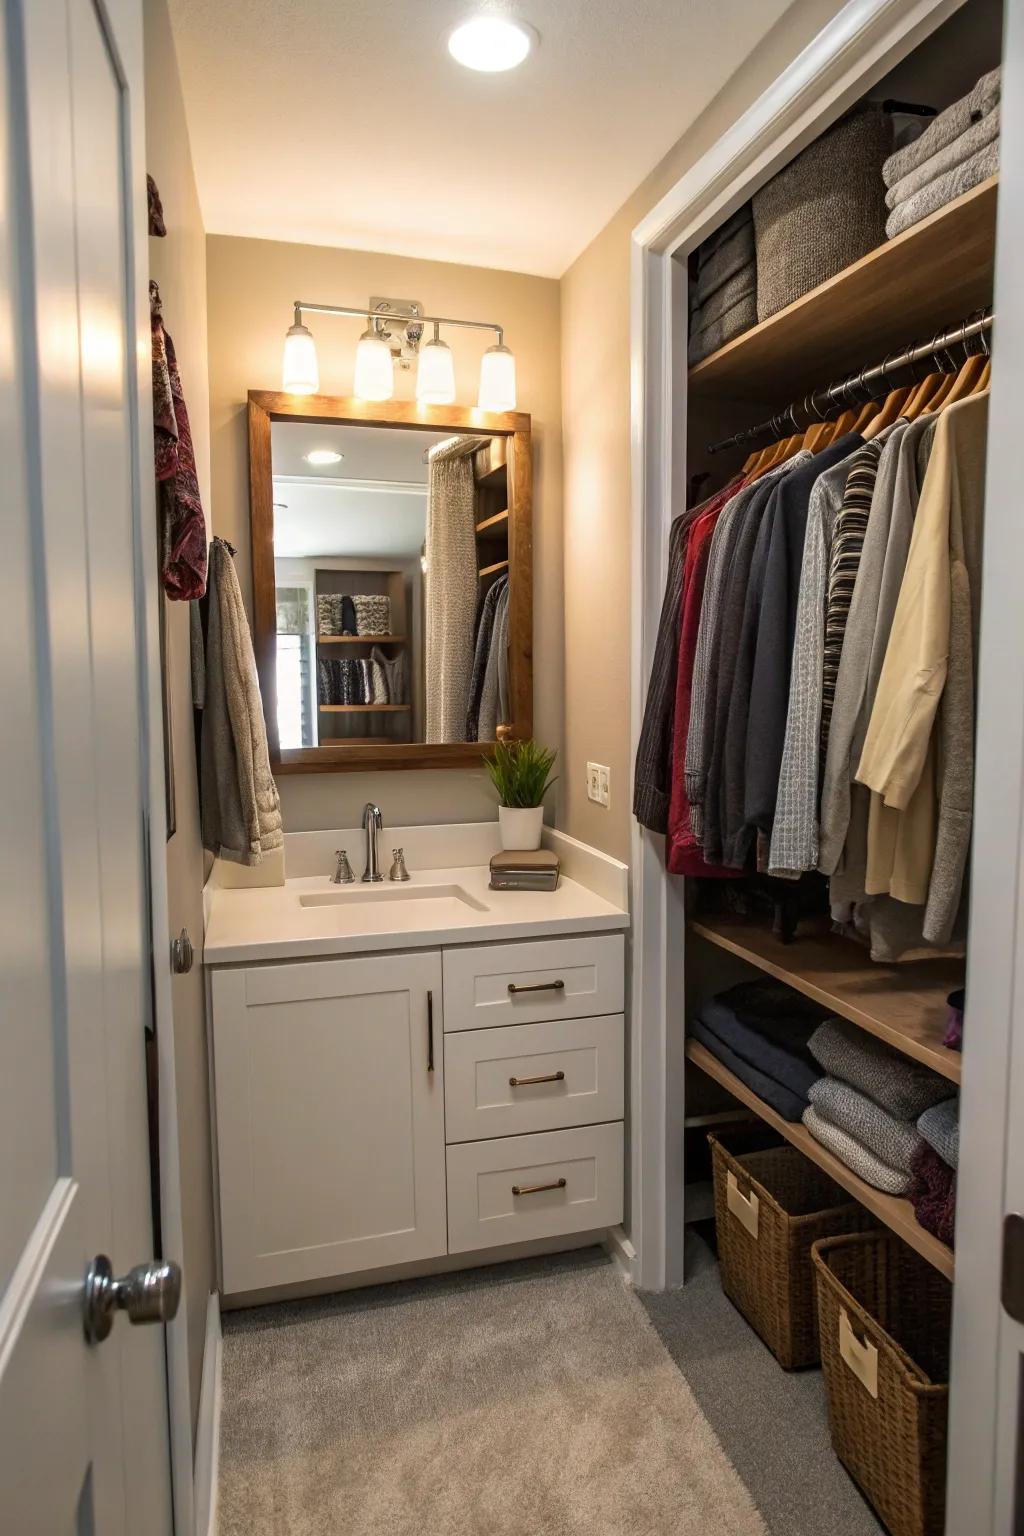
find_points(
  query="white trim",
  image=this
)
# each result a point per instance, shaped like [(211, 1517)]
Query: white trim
[(621, 1252), (208, 1426), (372, 487)]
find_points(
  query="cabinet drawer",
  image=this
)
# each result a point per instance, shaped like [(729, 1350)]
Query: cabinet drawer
[(567, 1181), (496, 984), (533, 1077)]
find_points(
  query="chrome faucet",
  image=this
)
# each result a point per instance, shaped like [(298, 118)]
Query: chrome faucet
[(372, 824)]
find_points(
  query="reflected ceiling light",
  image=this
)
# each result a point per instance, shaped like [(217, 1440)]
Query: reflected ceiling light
[(323, 456), (435, 374), (375, 370), (300, 374), (497, 379), (489, 44)]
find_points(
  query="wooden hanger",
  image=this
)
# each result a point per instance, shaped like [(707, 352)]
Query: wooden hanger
[(985, 379), (892, 409), (921, 395), (844, 425), (966, 381)]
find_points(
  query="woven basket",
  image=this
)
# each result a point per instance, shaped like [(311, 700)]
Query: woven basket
[(770, 1207), (885, 1318)]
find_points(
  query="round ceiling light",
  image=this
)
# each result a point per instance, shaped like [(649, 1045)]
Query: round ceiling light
[(322, 456), (489, 43)]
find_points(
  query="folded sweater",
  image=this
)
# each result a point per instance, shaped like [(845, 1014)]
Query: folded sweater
[(894, 1141), (904, 1087), (933, 1194), (983, 132), (769, 1026), (940, 1127), (788, 1104), (857, 1157), (982, 99), (944, 189)]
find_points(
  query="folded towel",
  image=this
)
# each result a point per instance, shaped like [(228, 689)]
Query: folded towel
[(788, 1104), (947, 159), (324, 615), (379, 681), (365, 680), (732, 252), (940, 1127), (325, 684), (373, 614), (741, 317), (982, 99), (944, 189), (904, 1087), (933, 1193), (768, 1025), (894, 1141), (855, 1155)]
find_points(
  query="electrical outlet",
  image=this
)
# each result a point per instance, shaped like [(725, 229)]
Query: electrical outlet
[(604, 785), (594, 782)]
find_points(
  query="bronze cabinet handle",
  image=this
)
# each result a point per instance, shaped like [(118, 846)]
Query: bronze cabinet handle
[(430, 1031), (536, 1189), (528, 1082), (541, 986)]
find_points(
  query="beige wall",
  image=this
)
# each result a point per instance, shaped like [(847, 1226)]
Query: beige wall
[(596, 443), (178, 263), (252, 285)]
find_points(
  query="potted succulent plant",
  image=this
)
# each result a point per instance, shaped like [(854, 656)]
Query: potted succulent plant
[(521, 773)]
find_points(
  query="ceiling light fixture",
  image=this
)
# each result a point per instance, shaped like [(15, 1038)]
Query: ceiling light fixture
[(322, 456), (489, 44)]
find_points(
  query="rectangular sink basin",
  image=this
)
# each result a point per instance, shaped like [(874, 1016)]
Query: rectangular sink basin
[(375, 895)]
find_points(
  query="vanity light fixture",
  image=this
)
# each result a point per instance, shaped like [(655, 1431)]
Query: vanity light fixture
[(376, 358), (489, 44), (320, 456)]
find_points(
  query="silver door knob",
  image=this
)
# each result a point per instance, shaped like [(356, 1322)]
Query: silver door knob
[(182, 954), (149, 1293)]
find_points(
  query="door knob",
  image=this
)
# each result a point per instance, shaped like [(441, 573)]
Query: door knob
[(182, 954), (149, 1293)]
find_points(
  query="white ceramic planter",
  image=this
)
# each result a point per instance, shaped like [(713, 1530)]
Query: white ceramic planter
[(520, 826)]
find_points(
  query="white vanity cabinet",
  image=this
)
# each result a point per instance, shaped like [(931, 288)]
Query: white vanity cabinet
[(378, 1110)]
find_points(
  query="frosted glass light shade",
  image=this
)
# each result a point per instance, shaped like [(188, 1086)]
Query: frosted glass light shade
[(435, 376), (300, 374), (497, 380), (375, 372), (489, 43)]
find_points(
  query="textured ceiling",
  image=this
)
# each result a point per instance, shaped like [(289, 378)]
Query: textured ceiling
[(346, 123)]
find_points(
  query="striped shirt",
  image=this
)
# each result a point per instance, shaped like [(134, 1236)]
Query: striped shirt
[(847, 543)]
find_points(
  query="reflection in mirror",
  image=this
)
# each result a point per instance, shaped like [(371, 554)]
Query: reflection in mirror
[(391, 568)]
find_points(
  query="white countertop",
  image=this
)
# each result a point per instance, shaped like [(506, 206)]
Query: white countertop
[(436, 907)]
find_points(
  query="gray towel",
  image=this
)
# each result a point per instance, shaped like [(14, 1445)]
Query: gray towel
[(902, 1086), (984, 131), (944, 190), (894, 1141), (982, 99), (711, 331), (725, 255), (855, 1155), (940, 1127)]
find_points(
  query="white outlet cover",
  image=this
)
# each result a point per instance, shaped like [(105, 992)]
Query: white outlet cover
[(594, 782), (604, 776)]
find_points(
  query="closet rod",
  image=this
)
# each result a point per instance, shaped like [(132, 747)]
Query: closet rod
[(786, 420)]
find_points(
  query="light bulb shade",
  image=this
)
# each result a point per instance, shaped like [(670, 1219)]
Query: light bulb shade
[(435, 376), (375, 372), (300, 374), (497, 380)]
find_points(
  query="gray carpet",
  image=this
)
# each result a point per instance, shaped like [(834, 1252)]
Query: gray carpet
[(772, 1423), (524, 1400)]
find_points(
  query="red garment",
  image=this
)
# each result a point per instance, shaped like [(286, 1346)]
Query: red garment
[(683, 852), (182, 524)]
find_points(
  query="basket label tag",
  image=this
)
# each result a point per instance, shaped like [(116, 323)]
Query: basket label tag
[(743, 1207), (862, 1359)]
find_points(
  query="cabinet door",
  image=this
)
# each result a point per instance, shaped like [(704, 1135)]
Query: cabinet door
[(329, 1091)]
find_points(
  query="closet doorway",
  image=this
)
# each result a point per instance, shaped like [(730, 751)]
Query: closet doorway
[(864, 45)]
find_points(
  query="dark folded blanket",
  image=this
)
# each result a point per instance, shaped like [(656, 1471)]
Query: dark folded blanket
[(769, 1026), (788, 1104), (933, 1193)]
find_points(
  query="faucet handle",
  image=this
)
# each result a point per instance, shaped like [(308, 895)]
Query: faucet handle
[(343, 874), (398, 869)]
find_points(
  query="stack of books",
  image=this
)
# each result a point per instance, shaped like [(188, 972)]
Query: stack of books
[(534, 870)]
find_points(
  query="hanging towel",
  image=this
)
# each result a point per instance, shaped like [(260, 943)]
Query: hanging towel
[(944, 189), (933, 1194), (450, 589), (904, 1087), (485, 631), (982, 99), (239, 803), (857, 1157), (893, 1141), (182, 521), (940, 1127)]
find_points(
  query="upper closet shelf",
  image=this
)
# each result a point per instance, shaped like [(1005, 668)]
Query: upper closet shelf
[(907, 289), (904, 1005)]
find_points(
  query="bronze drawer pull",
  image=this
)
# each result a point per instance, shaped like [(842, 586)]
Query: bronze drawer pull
[(536, 1189), (541, 986), (528, 1082)]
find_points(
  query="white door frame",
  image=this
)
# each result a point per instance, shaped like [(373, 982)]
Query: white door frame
[(862, 42), (127, 18)]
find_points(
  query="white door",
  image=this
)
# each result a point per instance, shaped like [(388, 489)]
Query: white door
[(329, 1085), (83, 1427)]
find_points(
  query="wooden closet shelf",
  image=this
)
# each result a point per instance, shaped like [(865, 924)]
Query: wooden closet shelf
[(904, 1005), (361, 639), (896, 1214), (496, 524), (931, 276), (360, 709), (491, 570)]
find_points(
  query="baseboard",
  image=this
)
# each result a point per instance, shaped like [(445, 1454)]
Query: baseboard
[(207, 1455), (621, 1251)]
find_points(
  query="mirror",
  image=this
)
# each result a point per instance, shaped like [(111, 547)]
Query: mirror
[(391, 576)]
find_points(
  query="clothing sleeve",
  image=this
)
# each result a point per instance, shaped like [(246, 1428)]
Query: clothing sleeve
[(956, 782), (652, 780), (702, 698), (914, 670), (769, 690)]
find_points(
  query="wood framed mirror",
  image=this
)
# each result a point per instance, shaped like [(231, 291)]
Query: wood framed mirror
[(392, 581)]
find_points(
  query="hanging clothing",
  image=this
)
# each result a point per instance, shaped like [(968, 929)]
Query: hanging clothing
[(450, 589), (494, 694), (652, 778), (844, 564), (484, 636), (182, 521)]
